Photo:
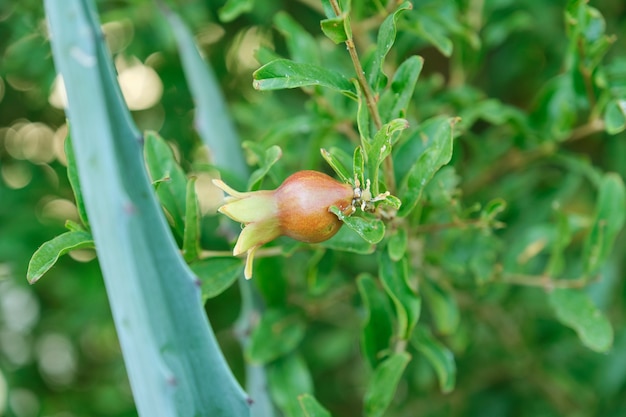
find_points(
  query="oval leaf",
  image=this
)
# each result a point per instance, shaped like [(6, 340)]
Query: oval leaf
[(378, 322), (172, 182), (397, 245), (335, 28), (395, 279), (283, 73), (288, 378), (372, 230), (575, 309), (384, 42), (347, 240), (439, 356), (278, 333), (395, 100), (310, 407), (301, 44), (337, 166), (270, 157), (380, 147), (615, 116), (49, 253), (437, 154), (234, 8), (442, 306), (609, 220), (217, 274), (382, 386)]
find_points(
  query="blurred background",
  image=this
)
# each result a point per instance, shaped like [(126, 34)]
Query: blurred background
[(59, 355)]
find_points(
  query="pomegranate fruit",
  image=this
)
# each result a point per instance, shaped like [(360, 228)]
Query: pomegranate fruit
[(299, 209)]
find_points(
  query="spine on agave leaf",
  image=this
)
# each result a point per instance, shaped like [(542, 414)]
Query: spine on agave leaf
[(173, 361)]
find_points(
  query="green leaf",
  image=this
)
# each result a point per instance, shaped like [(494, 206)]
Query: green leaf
[(49, 253), (439, 356), (437, 153), (72, 176), (169, 348), (382, 386), (562, 239), (337, 166), (72, 226), (217, 274), (586, 28), (363, 116), (377, 324), (442, 306), (328, 8), (337, 29), (212, 119), (283, 73), (395, 279), (397, 245), (270, 157), (557, 112), (358, 165), (347, 240), (301, 44), (191, 237), (395, 100), (372, 230), (615, 116), (278, 333), (492, 111), (392, 201), (319, 278), (386, 38), (575, 309), (607, 223), (233, 9), (380, 148), (435, 33), (311, 408), (492, 209), (289, 378), (172, 190)]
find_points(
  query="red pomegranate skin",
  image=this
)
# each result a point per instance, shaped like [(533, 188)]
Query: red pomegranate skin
[(303, 200)]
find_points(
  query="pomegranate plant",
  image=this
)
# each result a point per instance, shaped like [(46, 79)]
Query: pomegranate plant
[(431, 192)]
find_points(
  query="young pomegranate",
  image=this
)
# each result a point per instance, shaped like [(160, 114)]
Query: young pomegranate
[(299, 208)]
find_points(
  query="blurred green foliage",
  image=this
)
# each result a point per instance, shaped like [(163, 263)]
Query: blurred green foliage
[(522, 208)]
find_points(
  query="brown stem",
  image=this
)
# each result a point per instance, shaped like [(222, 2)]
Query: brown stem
[(588, 129), (436, 227), (370, 99), (587, 76), (545, 281), (260, 253)]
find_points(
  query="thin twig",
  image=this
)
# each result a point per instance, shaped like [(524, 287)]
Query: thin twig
[(260, 253), (588, 129), (545, 281), (370, 100), (436, 227)]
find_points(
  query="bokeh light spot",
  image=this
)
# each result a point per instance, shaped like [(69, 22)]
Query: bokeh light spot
[(16, 174), (23, 402), (141, 86), (57, 359), (118, 34)]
